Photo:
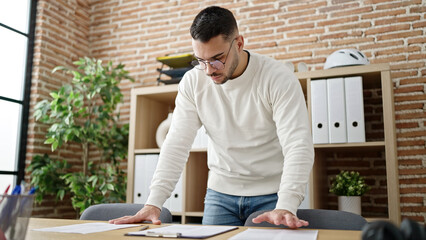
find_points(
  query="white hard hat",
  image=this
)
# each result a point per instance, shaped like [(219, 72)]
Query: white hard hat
[(345, 57)]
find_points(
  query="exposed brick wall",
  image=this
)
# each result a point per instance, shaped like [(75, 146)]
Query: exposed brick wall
[(61, 37), (136, 32)]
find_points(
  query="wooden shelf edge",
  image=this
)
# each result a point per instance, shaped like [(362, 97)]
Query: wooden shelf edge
[(199, 150), (194, 214), (333, 72), (155, 90), (157, 150), (376, 219), (146, 151), (377, 144)]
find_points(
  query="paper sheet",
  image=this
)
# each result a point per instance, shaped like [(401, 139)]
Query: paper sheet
[(85, 228), (186, 231), (276, 234)]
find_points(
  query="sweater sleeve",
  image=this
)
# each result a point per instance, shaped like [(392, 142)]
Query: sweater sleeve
[(175, 149), (293, 130)]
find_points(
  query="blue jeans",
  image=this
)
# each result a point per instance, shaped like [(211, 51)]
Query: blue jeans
[(224, 209)]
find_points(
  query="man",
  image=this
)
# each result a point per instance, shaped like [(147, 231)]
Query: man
[(260, 152)]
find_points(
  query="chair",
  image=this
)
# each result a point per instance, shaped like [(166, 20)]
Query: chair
[(319, 219), (105, 212)]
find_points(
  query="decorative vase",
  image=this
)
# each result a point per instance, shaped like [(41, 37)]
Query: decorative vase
[(350, 204), (162, 130)]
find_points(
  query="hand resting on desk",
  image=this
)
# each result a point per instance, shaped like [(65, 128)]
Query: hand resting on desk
[(147, 213), (281, 216)]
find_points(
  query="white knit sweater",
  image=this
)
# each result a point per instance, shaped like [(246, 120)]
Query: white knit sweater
[(259, 134)]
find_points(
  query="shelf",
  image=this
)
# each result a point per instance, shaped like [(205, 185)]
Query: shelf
[(376, 219), (147, 151), (151, 105), (365, 146), (379, 145), (194, 214), (157, 150), (368, 72), (176, 213), (199, 150), (164, 94)]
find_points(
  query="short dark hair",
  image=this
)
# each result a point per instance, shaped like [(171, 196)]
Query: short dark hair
[(211, 22)]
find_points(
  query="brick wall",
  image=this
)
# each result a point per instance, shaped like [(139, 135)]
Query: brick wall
[(136, 32), (61, 37)]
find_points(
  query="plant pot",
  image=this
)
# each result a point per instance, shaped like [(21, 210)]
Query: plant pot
[(350, 204)]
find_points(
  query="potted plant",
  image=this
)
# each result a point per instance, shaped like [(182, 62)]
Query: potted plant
[(349, 187), (84, 113)]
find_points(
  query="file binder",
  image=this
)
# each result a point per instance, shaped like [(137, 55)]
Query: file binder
[(174, 203), (336, 110), (145, 166), (354, 109), (319, 111), (144, 171)]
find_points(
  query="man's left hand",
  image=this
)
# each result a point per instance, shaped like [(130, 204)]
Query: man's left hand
[(281, 216)]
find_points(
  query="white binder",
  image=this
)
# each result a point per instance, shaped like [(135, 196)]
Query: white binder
[(174, 202), (354, 109), (144, 171), (336, 110), (145, 166), (319, 111)]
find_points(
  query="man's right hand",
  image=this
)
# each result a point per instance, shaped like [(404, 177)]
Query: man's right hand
[(147, 213)]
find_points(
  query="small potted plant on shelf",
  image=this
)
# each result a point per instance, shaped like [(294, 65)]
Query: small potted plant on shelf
[(349, 187)]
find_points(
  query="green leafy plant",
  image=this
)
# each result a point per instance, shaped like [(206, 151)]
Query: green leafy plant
[(85, 112), (349, 184), (46, 175)]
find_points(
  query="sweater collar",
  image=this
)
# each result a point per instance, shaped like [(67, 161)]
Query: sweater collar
[(243, 78)]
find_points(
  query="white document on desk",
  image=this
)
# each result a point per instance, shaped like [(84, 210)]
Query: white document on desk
[(85, 228), (276, 234), (185, 231)]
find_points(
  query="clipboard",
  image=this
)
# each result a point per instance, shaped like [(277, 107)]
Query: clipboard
[(184, 231)]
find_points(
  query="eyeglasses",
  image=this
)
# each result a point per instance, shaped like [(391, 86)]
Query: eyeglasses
[(216, 64)]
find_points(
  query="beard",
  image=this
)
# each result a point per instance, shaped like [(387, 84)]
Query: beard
[(228, 74)]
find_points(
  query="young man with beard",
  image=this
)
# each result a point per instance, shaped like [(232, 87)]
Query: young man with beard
[(260, 151)]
